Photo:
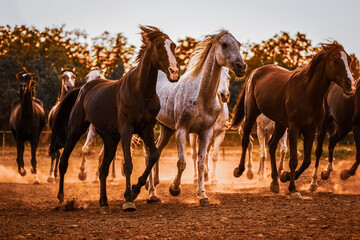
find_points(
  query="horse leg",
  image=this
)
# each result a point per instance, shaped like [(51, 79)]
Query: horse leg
[(346, 173), (249, 122), (218, 140), (110, 145), (277, 134), (72, 138), (309, 135), (334, 139), (53, 167), (181, 164), (286, 176), (85, 150), (148, 138), (57, 154), (113, 173), (100, 160), (193, 141), (34, 145), (20, 158), (249, 173), (319, 149), (283, 151), (204, 142), (263, 153)]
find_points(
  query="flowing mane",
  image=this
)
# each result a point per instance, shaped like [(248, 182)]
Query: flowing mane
[(148, 34), (308, 70), (198, 57)]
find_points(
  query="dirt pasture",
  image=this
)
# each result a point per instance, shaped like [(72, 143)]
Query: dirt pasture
[(240, 208)]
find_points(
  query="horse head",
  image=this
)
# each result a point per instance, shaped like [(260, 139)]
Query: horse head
[(338, 66), (26, 81), (227, 51), (224, 83), (162, 51), (95, 73), (68, 78)]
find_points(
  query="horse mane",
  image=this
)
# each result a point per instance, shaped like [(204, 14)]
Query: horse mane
[(202, 49), (148, 34), (22, 71), (308, 70)]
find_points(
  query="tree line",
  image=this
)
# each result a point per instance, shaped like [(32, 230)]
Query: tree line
[(45, 52)]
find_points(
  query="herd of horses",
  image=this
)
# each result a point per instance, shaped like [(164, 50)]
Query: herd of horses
[(195, 103)]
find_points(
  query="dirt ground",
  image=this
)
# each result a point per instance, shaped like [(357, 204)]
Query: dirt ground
[(240, 208)]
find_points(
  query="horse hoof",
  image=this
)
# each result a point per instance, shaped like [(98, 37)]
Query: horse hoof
[(60, 196), (36, 181), (285, 177), (313, 187), (104, 210), (237, 172), (250, 175), (175, 192), (22, 172), (214, 181), (325, 175), (344, 174), (129, 207), (274, 187), (51, 179), (295, 195), (153, 199), (204, 202), (82, 176)]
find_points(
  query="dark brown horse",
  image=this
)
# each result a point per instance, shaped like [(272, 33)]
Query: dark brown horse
[(27, 119), (118, 109), (68, 78), (292, 99), (344, 110)]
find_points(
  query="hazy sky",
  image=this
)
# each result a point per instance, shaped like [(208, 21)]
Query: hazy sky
[(250, 20)]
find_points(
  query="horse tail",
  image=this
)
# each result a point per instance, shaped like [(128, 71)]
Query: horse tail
[(238, 112), (60, 121)]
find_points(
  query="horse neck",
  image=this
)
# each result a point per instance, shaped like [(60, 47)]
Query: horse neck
[(145, 82), (318, 84), (209, 79), (26, 104)]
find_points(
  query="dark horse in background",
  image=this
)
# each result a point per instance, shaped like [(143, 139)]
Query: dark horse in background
[(68, 78), (293, 100), (118, 109), (27, 119), (344, 110)]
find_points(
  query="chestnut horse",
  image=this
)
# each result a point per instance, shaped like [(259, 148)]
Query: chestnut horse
[(118, 109), (293, 100), (68, 78), (345, 112), (27, 119)]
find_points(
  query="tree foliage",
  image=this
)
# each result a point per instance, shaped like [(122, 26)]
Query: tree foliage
[(183, 52)]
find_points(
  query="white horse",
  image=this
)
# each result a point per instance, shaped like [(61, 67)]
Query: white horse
[(191, 105), (93, 74), (264, 130), (219, 128)]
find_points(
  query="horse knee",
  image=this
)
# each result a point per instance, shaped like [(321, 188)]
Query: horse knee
[(181, 164), (128, 167)]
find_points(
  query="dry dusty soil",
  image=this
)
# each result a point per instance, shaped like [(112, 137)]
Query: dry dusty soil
[(240, 208)]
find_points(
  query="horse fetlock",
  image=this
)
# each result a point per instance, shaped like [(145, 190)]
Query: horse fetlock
[(33, 171), (345, 174), (325, 174), (60, 197), (181, 165), (313, 186)]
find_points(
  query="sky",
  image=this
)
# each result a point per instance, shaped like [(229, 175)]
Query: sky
[(249, 21)]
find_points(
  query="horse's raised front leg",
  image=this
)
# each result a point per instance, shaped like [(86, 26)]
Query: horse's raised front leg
[(34, 145), (20, 158), (334, 139), (110, 145), (181, 163), (278, 133), (204, 141), (85, 150), (193, 142), (218, 140)]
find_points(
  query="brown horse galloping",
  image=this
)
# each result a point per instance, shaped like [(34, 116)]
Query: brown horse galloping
[(345, 111), (27, 119), (292, 99), (118, 109)]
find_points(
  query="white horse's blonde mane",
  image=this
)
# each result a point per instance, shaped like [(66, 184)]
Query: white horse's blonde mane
[(202, 49)]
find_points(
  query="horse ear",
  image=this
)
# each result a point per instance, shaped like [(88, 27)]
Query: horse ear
[(73, 70), (103, 70), (61, 70)]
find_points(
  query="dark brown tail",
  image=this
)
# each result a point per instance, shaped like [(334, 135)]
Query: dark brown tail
[(238, 112), (61, 120)]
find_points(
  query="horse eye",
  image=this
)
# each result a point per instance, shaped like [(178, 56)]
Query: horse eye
[(157, 45), (224, 45)]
